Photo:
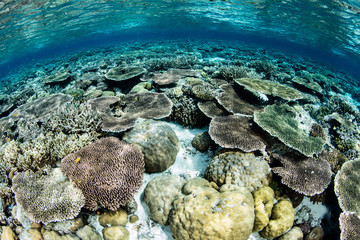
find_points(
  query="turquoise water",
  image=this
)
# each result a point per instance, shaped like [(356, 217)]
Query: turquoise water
[(325, 30), (277, 79)]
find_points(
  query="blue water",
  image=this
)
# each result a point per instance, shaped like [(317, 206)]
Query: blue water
[(324, 30)]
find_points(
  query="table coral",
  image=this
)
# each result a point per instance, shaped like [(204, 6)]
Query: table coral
[(108, 172)]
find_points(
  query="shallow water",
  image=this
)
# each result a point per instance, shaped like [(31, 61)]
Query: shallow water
[(304, 56)]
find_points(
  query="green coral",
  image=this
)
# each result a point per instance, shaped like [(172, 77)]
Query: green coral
[(280, 121), (258, 86)]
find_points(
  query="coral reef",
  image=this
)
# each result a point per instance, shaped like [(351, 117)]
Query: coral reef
[(159, 195), (264, 202), (347, 187), (124, 73), (212, 109), (108, 172), (237, 168), (202, 214), (148, 105), (281, 220), (235, 132), (158, 143), (349, 224), (46, 196), (114, 218), (280, 121), (202, 142), (74, 118), (233, 103), (43, 150), (269, 88), (307, 176)]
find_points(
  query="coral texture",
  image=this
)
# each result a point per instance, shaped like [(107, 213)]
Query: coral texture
[(269, 88), (125, 73), (282, 219), (212, 109), (264, 202), (108, 171), (46, 196), (235, 132), (347, 187), (233, 103), (237, 168), (280, 121), (159, 195), (307, 176), (349, 225), (148, 105), (202, 142), (209, 214), (157, 141)]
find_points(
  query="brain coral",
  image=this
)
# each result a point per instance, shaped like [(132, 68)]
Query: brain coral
[(157, 141), (46, 196), (242, 169), (159, 195), (209, 214), (280, 121), (307, 176), (108, 171), (347, 187)]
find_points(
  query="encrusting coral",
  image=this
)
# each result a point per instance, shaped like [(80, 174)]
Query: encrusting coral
[(108, 172), (47, 195), (205, 213)]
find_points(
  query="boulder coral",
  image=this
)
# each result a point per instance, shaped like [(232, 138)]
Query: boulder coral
[(158, 143), (242, 169), (159, 195), (282, 219), (209, 214), (264, 202)]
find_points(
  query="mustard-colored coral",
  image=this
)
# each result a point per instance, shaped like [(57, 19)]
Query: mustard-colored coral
[(282, 219), (264, 202), (209, 214)]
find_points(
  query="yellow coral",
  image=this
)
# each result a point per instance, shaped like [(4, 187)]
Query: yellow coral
[(264, 202)]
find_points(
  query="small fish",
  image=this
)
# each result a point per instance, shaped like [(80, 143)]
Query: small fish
[(74, 95), (98, 213), (77, 160), (8, 140), (79, 181), (15, 114)]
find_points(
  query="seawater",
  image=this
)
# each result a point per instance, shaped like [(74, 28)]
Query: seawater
[(280, 41)]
